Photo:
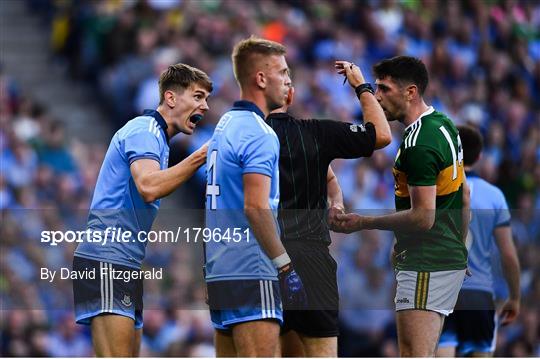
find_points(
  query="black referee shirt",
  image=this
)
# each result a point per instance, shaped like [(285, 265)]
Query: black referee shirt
[(306, 149)]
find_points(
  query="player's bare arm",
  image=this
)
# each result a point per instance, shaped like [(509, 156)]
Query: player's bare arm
[(261, 221), (420, 217), (371, 108), (259, 215), (510, 265), (466, 211), (154, 183), (466, 216), (334, 197)]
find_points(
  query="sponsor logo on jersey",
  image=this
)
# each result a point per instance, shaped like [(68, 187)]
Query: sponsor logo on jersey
[(354, 128)]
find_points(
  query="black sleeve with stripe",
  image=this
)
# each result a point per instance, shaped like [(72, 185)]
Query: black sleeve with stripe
[(346, 140)]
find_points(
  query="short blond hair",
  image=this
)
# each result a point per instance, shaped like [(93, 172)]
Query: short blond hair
[(245, 51), (181, 76)]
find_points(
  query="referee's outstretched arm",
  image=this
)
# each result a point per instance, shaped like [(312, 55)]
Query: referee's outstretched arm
[(373, 112)]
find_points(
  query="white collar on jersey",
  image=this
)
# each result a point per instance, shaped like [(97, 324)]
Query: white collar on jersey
[(428, 111)]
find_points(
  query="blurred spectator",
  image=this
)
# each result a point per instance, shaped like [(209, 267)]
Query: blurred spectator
[(53, 152), (484, 64), (67, 339)]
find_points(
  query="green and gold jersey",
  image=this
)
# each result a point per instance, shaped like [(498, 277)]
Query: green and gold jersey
[(431, 155)]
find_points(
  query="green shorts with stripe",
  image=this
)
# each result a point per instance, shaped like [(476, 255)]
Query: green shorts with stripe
[(434, 291)]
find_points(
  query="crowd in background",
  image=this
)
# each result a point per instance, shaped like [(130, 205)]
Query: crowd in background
[(483, 59)]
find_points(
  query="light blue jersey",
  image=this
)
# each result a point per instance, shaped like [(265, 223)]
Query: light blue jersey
[(242, 143), (116, 202), (489, 211)]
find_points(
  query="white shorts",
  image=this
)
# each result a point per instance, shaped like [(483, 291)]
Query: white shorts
[(435, 291)]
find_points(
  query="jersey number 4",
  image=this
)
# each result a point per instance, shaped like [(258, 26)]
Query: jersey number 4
[(212, 188)]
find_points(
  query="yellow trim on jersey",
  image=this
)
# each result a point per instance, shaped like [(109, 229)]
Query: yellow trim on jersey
[(400, 183), (445, 184)]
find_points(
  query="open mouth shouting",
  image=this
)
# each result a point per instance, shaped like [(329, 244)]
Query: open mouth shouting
[(194, 120)]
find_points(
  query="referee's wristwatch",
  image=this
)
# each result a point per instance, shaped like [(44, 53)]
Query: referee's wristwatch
[(360, 89)]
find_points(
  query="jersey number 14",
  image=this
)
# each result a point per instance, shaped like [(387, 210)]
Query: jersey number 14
[(457, 158)]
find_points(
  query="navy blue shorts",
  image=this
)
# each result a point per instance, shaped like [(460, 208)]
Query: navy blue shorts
[(237, 301), (106, 292), (472, 327)]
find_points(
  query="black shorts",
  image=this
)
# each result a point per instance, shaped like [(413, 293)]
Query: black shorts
[(317, 269), (471, 328), (108, 289)]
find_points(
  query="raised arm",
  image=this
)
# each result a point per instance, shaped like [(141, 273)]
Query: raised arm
[(373, 112)]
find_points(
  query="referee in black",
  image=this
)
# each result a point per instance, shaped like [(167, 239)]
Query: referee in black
[(308, 188)]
